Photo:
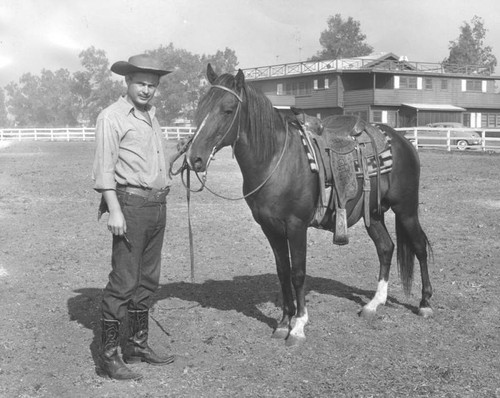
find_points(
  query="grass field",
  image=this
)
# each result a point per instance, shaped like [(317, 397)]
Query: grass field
[(54, 261)]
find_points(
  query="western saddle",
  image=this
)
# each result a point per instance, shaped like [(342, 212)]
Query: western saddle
[(349, 152)]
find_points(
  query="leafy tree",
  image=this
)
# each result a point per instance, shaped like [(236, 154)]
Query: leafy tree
[(342, 39), (180, 91), (94, 89), (469, 48), (43, 101), (4, 121)]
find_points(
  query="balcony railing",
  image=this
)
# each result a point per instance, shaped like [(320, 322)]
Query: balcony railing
[(337, 65)]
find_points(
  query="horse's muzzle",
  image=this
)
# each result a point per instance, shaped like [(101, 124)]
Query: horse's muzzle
[(196, 164)]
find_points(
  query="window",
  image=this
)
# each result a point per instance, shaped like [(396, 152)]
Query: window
[(474, 85), (298, 88), (444, 84), (428, 83), (377, 116), (491, 120), (407, 82), (319, 84), (279, 89)]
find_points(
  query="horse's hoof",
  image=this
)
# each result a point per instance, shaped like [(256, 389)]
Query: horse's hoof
[(294, 341), (426, 312), (367, 314), (281, 333)]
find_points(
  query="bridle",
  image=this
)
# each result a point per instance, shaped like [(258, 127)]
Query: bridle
[(237, 114)]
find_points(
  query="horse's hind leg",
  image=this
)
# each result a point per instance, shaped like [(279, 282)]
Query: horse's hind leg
[(412, 241), (297, 239), (385, 248)]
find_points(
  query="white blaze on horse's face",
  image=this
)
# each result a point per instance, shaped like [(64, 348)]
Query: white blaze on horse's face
[(198, 131)]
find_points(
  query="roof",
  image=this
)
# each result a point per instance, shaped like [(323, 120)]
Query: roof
[(435, 107)]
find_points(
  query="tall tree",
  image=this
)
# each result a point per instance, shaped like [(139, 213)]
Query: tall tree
[(180, 91), (4, 120), (94, 88), (342, 39), (469, 48)]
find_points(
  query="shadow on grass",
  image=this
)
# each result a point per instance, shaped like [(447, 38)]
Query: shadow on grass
[(243, 294)]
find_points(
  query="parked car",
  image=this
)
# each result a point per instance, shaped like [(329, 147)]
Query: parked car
[(462, 137)]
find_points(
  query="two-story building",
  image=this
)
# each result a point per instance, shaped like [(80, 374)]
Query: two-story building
[(384, 89)]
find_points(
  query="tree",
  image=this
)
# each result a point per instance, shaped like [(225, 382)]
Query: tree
[(4, 121), (94, 89), (469, 48), (342, 39), (43, 101), (180, 91)]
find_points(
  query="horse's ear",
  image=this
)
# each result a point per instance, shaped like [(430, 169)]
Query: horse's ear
[(240, 80), (211, 75)]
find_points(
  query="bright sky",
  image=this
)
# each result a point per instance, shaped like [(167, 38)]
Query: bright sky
[(37, 34)]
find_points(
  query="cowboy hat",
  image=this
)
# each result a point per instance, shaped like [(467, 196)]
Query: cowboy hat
[(139, 63)]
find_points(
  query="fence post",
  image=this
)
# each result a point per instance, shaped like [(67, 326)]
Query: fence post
[(483, 140), (448, 140)]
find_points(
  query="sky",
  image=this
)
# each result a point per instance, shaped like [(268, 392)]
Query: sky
[(49, 34)]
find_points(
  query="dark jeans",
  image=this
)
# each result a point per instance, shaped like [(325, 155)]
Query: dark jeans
[(135, 272)]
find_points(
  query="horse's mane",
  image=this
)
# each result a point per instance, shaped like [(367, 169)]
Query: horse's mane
[(259, 122)]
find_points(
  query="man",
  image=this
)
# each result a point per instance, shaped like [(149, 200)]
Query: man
[(131, 173)]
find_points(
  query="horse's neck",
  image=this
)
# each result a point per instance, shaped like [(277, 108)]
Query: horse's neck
[(253, 165)]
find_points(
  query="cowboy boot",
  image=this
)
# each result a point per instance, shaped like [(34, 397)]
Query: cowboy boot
[(111, 362), (137, 348)]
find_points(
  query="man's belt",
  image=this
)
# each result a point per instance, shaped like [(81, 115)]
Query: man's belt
[(151, 194)]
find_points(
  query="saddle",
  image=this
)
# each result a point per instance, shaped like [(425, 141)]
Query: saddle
[(349, 152)]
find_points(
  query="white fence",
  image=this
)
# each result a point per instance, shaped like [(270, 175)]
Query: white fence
[(490, 139), (76, 134), (439, 138)]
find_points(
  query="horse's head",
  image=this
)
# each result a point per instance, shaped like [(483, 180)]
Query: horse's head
[(217, 118)]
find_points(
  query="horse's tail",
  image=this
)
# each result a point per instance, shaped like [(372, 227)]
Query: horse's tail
[(406, 253)]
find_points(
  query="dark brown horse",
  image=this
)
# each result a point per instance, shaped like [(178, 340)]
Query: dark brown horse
[(282, 193)]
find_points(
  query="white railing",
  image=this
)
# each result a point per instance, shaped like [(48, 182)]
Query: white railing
[(445, 141), (448, 139), (77, 134)]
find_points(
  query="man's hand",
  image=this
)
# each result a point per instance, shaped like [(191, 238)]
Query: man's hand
[(116, 220)]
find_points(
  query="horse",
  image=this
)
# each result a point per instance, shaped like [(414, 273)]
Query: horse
[(282, 193)]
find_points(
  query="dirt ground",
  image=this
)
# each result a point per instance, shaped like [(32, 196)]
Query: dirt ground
[(54, 261)]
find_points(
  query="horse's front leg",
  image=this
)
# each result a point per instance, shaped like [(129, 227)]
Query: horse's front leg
[(297, 239), (279, 245)]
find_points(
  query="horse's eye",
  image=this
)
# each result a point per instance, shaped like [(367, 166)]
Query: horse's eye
[(228, 111)]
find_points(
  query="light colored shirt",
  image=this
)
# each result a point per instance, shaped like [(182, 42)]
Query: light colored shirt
[(129, 149)]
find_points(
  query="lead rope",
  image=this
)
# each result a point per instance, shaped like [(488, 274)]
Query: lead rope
[(190, 229)]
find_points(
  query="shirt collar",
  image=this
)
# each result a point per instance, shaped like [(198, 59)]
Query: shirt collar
[(127, 107)]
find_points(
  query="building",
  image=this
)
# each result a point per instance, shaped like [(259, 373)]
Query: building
[(384, 89)]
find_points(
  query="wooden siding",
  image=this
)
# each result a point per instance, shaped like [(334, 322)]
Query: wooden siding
[(358, 97), (326, 98)]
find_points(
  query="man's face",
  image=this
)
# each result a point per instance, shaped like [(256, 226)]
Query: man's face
[(141, 88)]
